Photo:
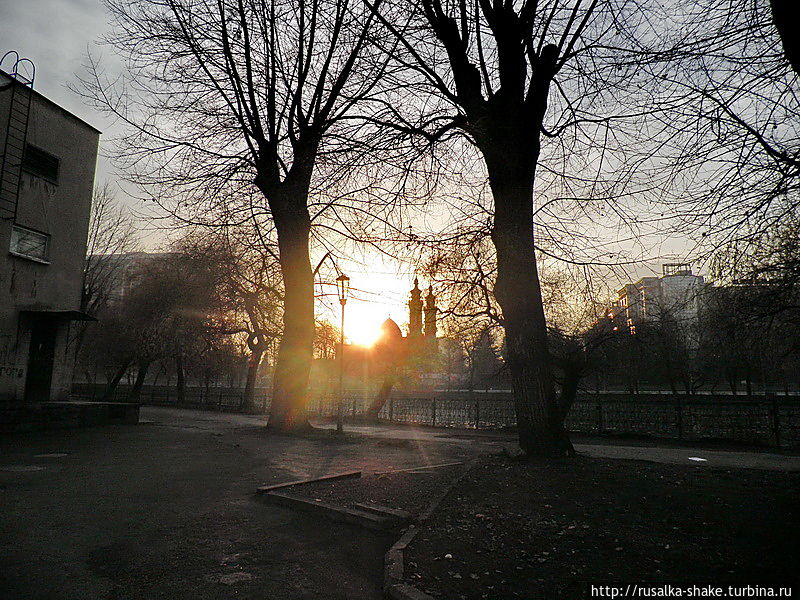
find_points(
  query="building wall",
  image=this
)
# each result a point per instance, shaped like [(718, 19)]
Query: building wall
[(60, 210), (672, 298)]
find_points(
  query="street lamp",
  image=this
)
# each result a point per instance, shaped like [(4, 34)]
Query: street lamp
[(343, 289)]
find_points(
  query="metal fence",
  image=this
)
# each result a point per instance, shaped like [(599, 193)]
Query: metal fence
[(211, 398), (770, 420)]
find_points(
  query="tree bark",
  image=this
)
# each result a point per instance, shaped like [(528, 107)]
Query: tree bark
[(732, 376), (249, 400), (518, 292), (290, 387), (181, 379), (382, 396), (112, 385), (141, 373), (573, 372), (783, 12)]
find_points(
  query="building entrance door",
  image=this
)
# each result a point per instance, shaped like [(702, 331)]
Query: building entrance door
[(40, 360)]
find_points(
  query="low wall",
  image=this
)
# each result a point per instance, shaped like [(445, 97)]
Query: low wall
[(66, 415)]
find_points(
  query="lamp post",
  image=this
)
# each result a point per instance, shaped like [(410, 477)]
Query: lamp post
[(343, 288)]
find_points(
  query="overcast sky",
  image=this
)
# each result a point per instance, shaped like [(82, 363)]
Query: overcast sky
[(55, 35)]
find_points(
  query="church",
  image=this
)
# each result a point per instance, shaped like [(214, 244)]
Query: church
[(421, 338), (415, 352)]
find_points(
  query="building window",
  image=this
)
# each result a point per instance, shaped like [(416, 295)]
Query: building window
[(40, 163), (31, 244)]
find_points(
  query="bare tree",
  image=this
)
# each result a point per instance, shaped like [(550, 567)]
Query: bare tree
[(523, 81), (737, 132), (236, 103), (248, 291), (326, 340), (465, 268), (112, 233)]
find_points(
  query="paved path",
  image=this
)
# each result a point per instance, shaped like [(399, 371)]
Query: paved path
[(167, 509), (718, 459), (649, 450)]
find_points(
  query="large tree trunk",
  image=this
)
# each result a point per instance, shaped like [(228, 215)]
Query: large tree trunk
[(181, 379), (141, 373), (573, 372), (112, 385), (249, 400), (381, 397), (290, 387), (782, 11), (518, 291)]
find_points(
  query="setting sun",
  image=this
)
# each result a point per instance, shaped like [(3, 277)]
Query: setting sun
[(363, 322), (376, 294), (364, 332)]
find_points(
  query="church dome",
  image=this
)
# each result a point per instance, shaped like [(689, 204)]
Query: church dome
[(390, 330)]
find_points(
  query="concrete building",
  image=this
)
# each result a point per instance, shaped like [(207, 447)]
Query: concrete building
[(118, 274), (674, 298), (47, 172)]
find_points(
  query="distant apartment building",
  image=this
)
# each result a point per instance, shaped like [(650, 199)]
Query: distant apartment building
[(673, 300), (47, 172), (117, 274), (674, 295)]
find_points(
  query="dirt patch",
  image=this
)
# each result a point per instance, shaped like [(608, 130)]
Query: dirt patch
[(545, 529), (409, 491)]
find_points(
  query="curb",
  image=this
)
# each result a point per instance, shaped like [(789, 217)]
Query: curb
[(277, 486), (334, 513), (367, 515), (393, 568)]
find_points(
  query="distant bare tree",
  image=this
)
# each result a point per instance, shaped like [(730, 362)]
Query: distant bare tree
[(112, 233), (326, 340), (248, 292)]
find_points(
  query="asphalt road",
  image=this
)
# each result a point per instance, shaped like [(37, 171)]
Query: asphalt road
[(167, 509)]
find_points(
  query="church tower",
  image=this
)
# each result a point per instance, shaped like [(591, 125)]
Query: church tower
[(430, 315), (415, 311)]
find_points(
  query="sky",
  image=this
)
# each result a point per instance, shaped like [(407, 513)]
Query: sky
[(57, 35)]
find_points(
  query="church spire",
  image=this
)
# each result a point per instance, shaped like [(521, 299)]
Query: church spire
[(415, 311), (430, 314)]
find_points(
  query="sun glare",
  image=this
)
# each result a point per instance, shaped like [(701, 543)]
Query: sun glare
[(363, 322), (376, 294), (363, 332), (364, 318)]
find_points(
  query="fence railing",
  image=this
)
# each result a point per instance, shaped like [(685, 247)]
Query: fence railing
[(770, 420)]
